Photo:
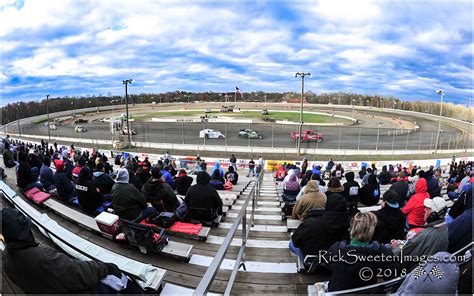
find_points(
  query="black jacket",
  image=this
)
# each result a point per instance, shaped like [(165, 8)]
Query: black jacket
[(88, 195), (127, 201), (232, 176), (159, 191), (24, 175), (390, 225), (103, 181), (182, 184), (401, 187), (369, 195), (203, 195), (347, 186), (346, 275)]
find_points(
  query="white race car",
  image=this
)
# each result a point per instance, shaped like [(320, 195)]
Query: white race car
[(211, 134)]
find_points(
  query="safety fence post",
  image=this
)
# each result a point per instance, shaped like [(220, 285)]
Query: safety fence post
[(408, 137), (182, 131), (377, 142), (146, 132), (339, 142), (164, 139), (358, 143), (419, 144), (393, 140)]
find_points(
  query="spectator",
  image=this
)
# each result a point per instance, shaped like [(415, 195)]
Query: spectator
[(384, 176), (127, 201), (330, 165), (344, 272), (369, 194), (231, 175), (338, 171), (391, 220), (464, 180), (306, 178), (203, 196), (8, 157), (316, 169), (68, 166), (365, 179), (304, 167), (362, 172), (415, 207), (233, 162), (401, 187), (77, 170), (280, 173), (292, 184), (334, 186), (35, 159), (166, 175), (460, 229), (64, 186), (351, 188), (159, 193), (2, 174), (183, 182), (251, 168), (319, 233), (102, 180), (46, 175), (217, 181), (133, 179), (318, 180), (217, 167), (432, 184), (311, 199), (88, 195), (43, 270), (26, 179)]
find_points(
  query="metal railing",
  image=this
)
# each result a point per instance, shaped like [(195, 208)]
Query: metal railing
[(208, 278)]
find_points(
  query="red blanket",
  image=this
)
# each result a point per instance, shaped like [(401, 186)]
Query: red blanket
[(187, 228)]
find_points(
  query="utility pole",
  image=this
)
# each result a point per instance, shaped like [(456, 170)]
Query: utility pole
[(441, 94), (126, 82), (300, 130), (18, 119), (47, 114)]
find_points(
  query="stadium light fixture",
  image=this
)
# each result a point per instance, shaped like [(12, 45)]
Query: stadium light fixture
[(298, 143), (441, 94), (47, 114), (126, 82)]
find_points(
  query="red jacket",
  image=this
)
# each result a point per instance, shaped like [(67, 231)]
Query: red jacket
[(415, 208)]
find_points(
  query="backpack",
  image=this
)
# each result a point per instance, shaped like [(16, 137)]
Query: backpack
[(165, 219), (150, 238), (228, 185), (181, 211)]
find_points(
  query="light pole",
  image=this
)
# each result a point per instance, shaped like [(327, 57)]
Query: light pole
[(126, 82), (47, 114), (298, 143), (18, 119), (441, 94)]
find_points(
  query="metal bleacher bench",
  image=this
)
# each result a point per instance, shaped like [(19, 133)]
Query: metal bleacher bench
[(148, 276)]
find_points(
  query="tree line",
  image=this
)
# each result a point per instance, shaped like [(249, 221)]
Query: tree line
[(19, 110)]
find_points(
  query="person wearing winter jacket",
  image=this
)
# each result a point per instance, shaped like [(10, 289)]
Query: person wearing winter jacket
[(319, 233), (401, 187), (384, 176), (203, 196), (334, 186), (292, 183), (183, 182), (46, 175), (415, 207), (25, 178), (345, 272), (232, 176), (159, 193), (81, 162), (68, 166), (88, 195), (432, 184), (460, 229), (311, 199), (64, 186), (351, 188), (233, 162), (369, 194), (166, 175), (304, 167), (391, 220), (280, 174), (102, 180), (127, 201), (217, 167), (8, 156)]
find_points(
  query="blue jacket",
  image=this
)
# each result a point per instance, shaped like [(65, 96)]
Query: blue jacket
[(217, 166), (63, 185), (46, 177), (460, 231), (168, 178)]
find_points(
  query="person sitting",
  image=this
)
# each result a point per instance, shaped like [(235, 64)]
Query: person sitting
[(338, 172), (460, 229), (318, 180), (292, 183), (351, 193), (362, 172), (319, 233), (415, 207), (81, 162), (183, 182), (365, 179), (391, 220), (159, 193), (280, 173), (205, 197), (166, 175), (384, 176), (127, 201), (231, 175), (102, 180), (464, 179), (401, 187), (25, 178), (46, 175), (217, 167), (37, 269), (306, 178), (68, 166), (64, 186), (311, 199), (217, 181), (431, 237), (334, 186), (344, 272), (369, 194), (88, 195), (8, 156)]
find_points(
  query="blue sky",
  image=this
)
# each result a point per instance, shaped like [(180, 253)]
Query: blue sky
[(407, 49)]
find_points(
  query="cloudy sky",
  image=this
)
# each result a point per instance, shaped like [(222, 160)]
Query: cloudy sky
[(407, 49)]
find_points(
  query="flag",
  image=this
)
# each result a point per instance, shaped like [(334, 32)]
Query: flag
[(437, 272), (418, 272), (237, 90)]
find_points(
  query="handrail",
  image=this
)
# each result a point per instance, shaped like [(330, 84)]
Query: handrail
[(211, 272)]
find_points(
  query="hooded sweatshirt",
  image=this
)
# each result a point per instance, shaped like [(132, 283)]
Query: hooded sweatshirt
[(88, 195), (127, 201), (202, 195), (43, 270), (183, 182), (292, 184), (311, 199), (157, 189), (319, 233), (217, 167), (64, 186), (369, 195), (415, 208), (350, 184), (401, 187), (103, 181), (390, 224), (47, 177)]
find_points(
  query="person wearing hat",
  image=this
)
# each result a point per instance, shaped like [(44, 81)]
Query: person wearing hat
[(43, 270), (159, 193), (64, 186), (390, 219), (127, 201), (430, 238)]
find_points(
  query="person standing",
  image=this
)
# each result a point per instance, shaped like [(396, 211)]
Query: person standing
[(233, 162), (251, 168)]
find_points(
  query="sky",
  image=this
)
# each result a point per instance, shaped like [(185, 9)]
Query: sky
[(406, 49)]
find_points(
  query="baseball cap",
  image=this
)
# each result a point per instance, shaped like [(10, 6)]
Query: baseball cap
[(436, 204), (390, 197)]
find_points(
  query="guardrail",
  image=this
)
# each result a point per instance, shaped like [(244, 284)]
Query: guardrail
[(208, 278)]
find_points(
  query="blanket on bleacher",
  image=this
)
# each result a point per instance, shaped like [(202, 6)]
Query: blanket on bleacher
[(187, 228)]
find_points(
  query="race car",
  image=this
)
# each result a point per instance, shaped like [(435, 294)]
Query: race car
[(80, 129), (250, 134), (53, 127), (211, 134), (124, 131), (80, 120)]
